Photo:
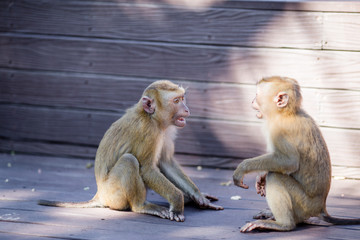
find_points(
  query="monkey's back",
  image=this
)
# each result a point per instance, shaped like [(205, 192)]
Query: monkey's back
[(129, 134), (314, 171)]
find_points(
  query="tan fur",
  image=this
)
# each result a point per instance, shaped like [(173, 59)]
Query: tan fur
[(298, 167), (137, 151)]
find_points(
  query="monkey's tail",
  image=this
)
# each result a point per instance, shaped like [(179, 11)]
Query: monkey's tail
[(338, 221), (88, 204)]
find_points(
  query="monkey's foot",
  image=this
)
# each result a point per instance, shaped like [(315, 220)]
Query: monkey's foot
[(251, 226), (153, 209), (163, 213), (266, 224), (179, 217), (166, 214), (254, 225), (264, 214), (317, 221)]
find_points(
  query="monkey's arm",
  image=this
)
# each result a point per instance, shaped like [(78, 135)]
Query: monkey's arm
[(172, 170), (155, 180), (270, 162)]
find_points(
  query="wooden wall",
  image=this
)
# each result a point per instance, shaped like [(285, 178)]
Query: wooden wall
[(68, 69)]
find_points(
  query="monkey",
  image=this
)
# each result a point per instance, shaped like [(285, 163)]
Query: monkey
[(297, 167), (137, 152)]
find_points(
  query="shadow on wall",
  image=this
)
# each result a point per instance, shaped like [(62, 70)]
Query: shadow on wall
[(218, 49), (222, 52)]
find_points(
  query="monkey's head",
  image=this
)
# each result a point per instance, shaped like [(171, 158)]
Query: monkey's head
[(165, 102), (277, 95)]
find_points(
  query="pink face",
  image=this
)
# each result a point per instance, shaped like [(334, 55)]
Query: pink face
[(181, 111)]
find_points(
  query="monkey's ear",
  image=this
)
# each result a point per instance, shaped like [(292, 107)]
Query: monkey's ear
[(281, 99), (148, 104)]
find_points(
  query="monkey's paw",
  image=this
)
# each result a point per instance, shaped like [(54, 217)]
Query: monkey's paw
[(251, 226), (260, 185), (165, 213), (179, 217), (204, 201), (153, 209), (238, 181)]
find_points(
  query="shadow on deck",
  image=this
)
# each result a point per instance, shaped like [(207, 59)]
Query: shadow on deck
[(25, 179)]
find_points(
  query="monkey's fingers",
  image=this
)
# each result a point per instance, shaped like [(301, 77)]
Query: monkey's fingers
[(248, 227), (177, 217), (243, 185), (164, 214), (239, 182), (260, 224), (214, 207), (210, 197), (261, 190), (204, 202)]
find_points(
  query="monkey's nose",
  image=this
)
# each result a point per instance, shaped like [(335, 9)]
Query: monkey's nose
[(186, 109)]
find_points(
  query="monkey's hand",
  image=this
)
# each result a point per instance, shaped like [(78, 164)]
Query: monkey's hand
[(203, 200), (260, 185), (238, 178)]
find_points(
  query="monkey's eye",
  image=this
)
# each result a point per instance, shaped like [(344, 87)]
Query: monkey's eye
[(176, 100)]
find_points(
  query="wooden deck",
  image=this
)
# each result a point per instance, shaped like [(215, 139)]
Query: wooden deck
[(26, 178)]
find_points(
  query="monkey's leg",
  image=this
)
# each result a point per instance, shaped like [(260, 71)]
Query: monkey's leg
[(280, 200), (126, 189)]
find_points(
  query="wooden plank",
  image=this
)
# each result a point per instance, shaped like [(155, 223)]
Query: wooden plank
[(55, 125), (58, 181), (17, 236), (49, 148), (339, 31), (213, 138), (199, 137), (88, 152), (129, 226), (174, 61), (56, 170), (58, 176), (333, 108), (343, 145), (342, 169), (88, 91), (52, 231), (284, 5), (343, 172), (157, 22)]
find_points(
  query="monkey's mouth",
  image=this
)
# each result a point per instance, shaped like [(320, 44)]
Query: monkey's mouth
[(180, 122)]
